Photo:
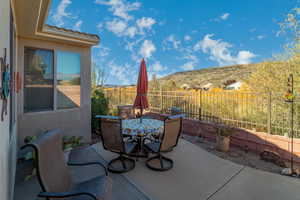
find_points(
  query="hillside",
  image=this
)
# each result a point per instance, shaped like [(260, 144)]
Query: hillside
[(215, 75)]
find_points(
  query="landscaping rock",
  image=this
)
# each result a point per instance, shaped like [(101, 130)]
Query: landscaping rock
[(286, 171), (273, 157)]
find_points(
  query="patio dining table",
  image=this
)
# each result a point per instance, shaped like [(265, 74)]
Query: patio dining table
[(140, 129)]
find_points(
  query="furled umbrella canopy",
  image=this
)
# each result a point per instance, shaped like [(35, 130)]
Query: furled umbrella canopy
[(141, 101)]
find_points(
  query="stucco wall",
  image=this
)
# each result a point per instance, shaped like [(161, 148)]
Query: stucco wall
[(71, 121), (8, 138)]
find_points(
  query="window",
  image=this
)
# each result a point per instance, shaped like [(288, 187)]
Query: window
[(39, 80), (68, 80)]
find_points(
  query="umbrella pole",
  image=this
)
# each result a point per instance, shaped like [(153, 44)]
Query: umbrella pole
[(141, 110)]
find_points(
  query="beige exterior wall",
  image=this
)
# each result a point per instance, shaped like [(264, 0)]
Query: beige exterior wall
[(74, 121), (8, 138)]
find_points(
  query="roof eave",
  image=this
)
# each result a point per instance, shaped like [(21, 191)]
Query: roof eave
[(68, 35), (34, 25)]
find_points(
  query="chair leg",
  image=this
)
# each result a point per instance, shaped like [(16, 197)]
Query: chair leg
[(121, 164), (159, 163)]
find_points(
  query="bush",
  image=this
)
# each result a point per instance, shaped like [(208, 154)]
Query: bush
[(99, 107)]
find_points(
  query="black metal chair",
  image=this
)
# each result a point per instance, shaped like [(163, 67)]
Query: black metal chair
[(112, 140), (169, 139), (54, 176)]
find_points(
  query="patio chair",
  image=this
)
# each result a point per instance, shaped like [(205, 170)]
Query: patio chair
[(169, 140), (54, 177), (112, 140), (126, 112), (157, 137)]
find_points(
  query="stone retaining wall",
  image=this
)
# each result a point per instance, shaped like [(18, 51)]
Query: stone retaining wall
[(243, 138)]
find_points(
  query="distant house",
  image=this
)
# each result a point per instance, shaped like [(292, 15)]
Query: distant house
[(206, 86), (234, 86), (185, 86)]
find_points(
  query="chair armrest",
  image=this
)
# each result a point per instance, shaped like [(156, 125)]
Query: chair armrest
[(106, 117), (89, 163), (176, 116), (59, 195)]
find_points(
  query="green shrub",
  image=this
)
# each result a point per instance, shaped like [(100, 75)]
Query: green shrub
[(99, 107)]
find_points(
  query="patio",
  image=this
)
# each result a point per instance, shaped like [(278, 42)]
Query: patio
[(200, 175)]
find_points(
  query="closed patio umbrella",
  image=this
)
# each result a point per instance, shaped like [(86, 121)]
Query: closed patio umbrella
[(141, 101)]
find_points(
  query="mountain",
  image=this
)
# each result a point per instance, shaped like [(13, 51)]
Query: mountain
[(217, 76)]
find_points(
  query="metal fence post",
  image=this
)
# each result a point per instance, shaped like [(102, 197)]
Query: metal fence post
[(161, 99), (269, 109), (200, 105), (120, 98)]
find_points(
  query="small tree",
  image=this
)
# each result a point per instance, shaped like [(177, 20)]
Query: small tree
[(99, 75), (99, 107)]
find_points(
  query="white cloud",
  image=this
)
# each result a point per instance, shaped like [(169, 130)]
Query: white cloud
[(120, 8), (219, 51), (77, 26), (260, 37), (171, 40), (157, 67), (102, 50), (100, 27), (61, 13), (120, 73), (145, 22), (147, 49), (188, 66), (131, 31), (116, 26), (121, 28), (244, 57), (187, 38), (224, 16)]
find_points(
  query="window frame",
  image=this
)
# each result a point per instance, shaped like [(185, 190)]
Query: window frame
[(55, 108)]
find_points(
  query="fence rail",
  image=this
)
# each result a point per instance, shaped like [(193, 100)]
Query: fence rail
[(264, 112)]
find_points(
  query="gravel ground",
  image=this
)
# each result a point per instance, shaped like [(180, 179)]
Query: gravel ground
[(235, 155)]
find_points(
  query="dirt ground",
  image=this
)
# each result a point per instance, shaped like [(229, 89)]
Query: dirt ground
[(235, 155)]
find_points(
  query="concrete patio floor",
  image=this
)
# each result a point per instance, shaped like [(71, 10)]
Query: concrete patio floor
[(198, 174)]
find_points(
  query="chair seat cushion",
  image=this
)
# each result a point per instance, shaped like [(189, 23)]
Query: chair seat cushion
[(100, 187), (129, 147), (153, 146)]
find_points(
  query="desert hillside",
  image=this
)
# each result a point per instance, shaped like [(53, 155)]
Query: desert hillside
[(217, 76)]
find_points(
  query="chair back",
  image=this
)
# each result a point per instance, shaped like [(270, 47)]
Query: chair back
[(52, 171), (126, 112), (111, 134), (172, 130)]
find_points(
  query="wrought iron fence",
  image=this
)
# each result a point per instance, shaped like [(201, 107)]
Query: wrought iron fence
[(255, 111)]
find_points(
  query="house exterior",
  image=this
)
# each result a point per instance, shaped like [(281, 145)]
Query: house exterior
[(185, 86), (234, 86), (206, 86), (50, 78)]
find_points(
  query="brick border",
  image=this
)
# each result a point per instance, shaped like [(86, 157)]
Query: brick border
[(243, 138)]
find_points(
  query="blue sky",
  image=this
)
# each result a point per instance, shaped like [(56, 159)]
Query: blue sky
[(175, 35)]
